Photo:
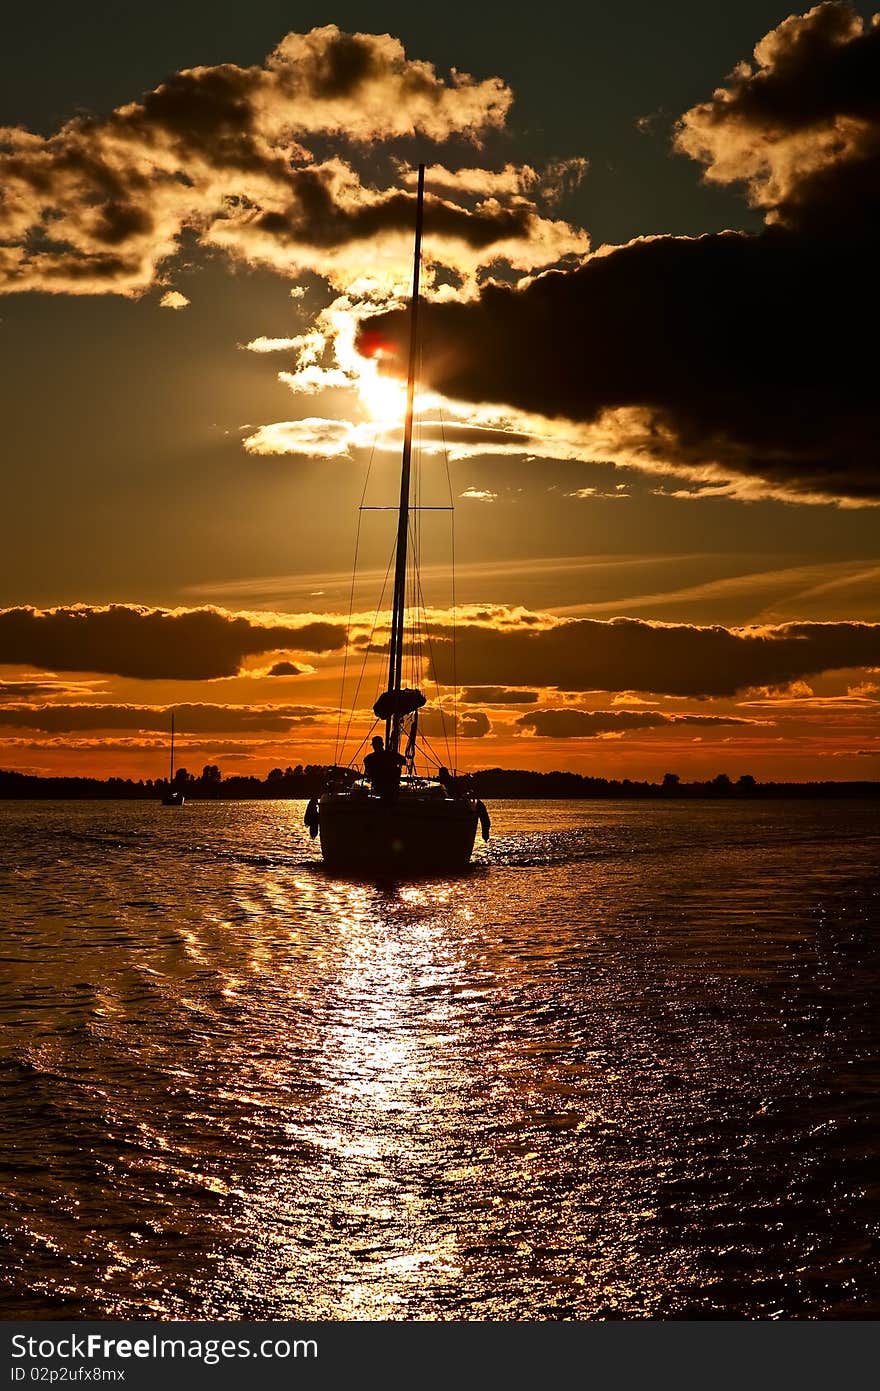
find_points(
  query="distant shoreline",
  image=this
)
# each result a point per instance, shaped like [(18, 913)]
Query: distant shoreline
[(303, 783)]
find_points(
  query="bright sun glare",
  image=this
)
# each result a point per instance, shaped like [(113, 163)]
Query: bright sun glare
[(383, 398)]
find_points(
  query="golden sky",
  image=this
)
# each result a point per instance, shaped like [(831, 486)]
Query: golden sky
[(659, 436)]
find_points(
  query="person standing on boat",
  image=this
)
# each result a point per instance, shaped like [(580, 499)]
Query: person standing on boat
[(383, 767)]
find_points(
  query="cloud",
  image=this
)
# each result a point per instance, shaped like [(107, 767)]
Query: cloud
[(474, 724), (443, 724), (189, 746), (559, 178), (497, 695), (478, 495), (631, 655), (729, 360), (189, 718), (499, 648), (618, 493), (173, 299), (100, 205), (286, 669), (588, 724), (151, 643), (649, 356), (314, 436), (43, 689), (329, 220), (272, 345), (800, 126), (320, 437)]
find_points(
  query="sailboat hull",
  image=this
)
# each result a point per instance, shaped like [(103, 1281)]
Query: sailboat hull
[(402, 837)]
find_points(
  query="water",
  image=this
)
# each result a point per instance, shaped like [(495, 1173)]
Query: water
[(625, 1068)]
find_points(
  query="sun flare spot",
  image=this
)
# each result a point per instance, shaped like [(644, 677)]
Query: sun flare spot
[(382, 398)]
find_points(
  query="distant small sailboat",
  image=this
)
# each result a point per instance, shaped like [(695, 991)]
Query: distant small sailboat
[(393, 820), (173, 797)]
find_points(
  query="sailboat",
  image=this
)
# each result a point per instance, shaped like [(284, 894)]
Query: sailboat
[(174, 796), (395, 820)]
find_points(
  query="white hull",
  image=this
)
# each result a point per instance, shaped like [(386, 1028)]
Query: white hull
[(409, 835)]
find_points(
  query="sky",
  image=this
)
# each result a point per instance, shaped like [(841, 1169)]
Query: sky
[(643, 384)]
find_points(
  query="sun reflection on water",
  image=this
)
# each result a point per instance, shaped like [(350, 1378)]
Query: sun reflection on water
[(578, 1084)]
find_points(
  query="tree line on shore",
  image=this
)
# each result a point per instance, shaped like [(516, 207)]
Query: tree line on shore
[(308, 781)]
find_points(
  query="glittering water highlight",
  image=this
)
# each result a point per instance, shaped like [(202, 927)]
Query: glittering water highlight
[(626, 1067)]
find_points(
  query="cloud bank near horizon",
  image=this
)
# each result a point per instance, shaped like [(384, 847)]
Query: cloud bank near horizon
[(130, 640), (510, 654), (192, 718)]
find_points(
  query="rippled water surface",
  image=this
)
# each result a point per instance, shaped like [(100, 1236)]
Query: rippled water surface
[(624, 1068)]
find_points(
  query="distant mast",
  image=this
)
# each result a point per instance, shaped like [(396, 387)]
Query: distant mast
[(398, 610), (171, 775)]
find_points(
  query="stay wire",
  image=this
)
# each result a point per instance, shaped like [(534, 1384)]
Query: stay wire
[(357, 543), (454, 608), (369, 649), (436, 682)]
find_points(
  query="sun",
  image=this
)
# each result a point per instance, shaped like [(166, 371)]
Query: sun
[(383, 398)]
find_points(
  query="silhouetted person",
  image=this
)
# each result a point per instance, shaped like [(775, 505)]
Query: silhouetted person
[(383, 767), (445, 778)]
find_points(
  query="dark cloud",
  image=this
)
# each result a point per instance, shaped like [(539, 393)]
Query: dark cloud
[(571, 723), (497, 695), (189, 718), (474, 724), (285, 669), (444, 725), (152, 644), (722, 353), (725, 358), (800, 126), (316, 217), (671, 659), (39, 690)]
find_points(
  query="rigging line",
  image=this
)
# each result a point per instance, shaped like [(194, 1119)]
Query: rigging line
[(419, 613), (369, 647), (363, 742), (367, 652), (416, 529), (417, 550), (429, 749), (413, 550), (357, 543), (454, 608), (418, 610), (419, 524), (411, 556), (347, 635), (436, 682), (422, 633), (455, 657)]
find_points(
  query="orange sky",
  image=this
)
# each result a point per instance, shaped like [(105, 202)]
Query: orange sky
[(661, 563)]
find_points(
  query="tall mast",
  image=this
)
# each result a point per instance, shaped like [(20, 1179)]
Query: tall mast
[(171, 776), (395, 659)]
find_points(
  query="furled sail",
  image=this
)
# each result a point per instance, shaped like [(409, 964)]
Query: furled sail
[(398, 703)]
